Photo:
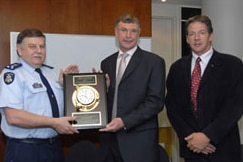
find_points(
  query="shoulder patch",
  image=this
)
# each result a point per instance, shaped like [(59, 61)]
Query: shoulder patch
[(8, 77), (13, 66), (47, 66)]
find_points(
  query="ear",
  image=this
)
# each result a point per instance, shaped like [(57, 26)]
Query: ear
[(116, 31), (211, 37), (139, 31), (18, 49), (187, 40)]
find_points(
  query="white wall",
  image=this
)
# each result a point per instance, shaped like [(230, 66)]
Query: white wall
[(227, 21), (165, 42), (87, 51)]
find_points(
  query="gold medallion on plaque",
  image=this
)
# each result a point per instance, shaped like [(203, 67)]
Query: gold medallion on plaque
[(85, 98)]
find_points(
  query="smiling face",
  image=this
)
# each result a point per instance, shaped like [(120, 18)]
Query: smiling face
[(127, 35), (199, 38), (33, 51)]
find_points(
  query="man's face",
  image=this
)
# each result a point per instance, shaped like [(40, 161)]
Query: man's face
[(33, 51), (127, 35), (198, 38)]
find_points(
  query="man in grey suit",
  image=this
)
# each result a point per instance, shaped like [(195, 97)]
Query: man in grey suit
[(132, 132), (206, 121)]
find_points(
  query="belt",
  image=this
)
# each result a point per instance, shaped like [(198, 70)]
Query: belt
[(37, 140)]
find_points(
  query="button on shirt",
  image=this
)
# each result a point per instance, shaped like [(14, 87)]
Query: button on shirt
[(27, 92)]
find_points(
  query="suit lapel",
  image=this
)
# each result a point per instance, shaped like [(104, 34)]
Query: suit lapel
[(134, 61), (187, 70), (212, 64), (113, 70)]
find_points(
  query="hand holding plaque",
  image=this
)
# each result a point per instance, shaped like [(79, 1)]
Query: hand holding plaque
[(85, 98)]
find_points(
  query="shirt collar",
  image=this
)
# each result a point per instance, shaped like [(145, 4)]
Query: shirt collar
[(204, 57), (26, 65), (129, 52)]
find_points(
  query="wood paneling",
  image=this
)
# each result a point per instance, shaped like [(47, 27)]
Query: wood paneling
[(141, 9), (68, 17), (165, 137), (96, 17), (17, 15)]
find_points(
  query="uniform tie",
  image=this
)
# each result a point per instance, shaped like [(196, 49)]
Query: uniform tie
[(121, 69), (51, 95), (195, 81)]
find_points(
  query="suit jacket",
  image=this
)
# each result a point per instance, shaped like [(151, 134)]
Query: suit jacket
[(220, 105), (140, 99)]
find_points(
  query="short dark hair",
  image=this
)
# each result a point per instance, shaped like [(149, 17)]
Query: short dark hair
[(200, 18), (128, 18), (29, 33)]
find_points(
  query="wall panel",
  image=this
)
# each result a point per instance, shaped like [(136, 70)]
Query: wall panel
[(17, 15), (67, 17)]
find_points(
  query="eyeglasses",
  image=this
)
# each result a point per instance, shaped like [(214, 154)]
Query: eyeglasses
[(125, 30)]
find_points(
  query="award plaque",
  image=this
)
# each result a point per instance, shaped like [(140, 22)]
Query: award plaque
[(85, 98)]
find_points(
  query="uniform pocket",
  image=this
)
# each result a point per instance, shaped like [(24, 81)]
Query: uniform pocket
[(37, 87)]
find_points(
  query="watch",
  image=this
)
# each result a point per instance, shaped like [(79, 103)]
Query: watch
[(85, 98)]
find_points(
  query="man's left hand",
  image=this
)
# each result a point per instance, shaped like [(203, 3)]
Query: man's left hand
[(115, 125)]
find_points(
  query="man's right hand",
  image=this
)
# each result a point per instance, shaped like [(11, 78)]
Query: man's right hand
[(62, 125)]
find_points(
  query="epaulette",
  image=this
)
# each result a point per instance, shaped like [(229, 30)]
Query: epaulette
[(13, 66), (47, 66)]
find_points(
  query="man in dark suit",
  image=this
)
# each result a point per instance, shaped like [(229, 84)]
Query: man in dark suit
[(207, 126), (132, 132)]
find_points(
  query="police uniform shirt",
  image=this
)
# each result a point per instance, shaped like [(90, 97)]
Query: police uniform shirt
[(22, 88)]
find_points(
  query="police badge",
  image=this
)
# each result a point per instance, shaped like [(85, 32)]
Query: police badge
[(8, 77)]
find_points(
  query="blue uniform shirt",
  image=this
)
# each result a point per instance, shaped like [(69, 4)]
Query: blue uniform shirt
[(21, 88)]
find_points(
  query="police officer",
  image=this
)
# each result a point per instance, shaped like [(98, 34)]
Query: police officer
[(28, 120)]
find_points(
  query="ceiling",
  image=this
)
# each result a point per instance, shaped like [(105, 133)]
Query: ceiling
[(179, 2)]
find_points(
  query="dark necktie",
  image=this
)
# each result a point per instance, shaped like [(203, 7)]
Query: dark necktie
[(121, 69), (195, 81), (51, 95)]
